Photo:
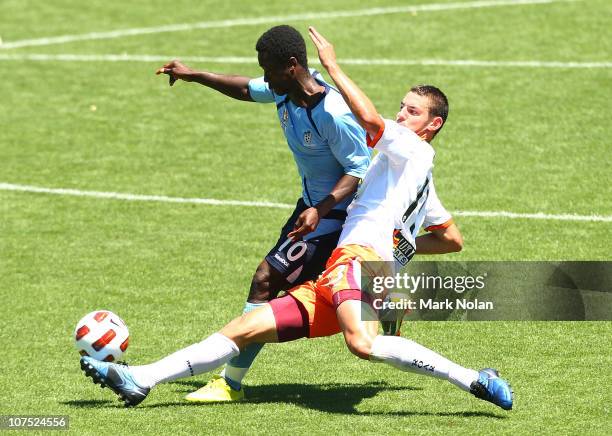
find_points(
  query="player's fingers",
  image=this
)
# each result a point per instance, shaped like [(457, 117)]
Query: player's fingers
[(314, 36), (297, 233), (320, 38), (164, 70), (304, 229)]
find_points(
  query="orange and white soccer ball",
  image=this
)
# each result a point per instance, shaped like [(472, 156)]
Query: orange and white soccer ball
[(102, 335)]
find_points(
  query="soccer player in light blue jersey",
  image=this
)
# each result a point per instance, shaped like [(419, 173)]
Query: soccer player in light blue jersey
[(331, 154)]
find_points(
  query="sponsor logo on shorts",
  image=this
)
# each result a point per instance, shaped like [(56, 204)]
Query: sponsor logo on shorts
[(281, 260)]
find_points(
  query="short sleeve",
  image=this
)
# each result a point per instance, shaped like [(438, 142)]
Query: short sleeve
[(260, 91), (347, 141), (436, 215)]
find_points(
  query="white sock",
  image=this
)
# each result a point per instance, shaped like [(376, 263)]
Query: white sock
[(204, 356), (407, 355)]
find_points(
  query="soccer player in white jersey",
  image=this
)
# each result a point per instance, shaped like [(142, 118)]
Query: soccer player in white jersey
[(330, 151), (394, 195)]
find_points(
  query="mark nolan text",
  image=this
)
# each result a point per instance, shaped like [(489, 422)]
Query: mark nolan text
[(457, 304), (405, 303)]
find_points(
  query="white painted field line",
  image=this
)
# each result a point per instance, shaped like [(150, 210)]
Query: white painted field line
[(252, 60), (533, 216), (136, 197), (214, 202), (271, 20), (476, 63)]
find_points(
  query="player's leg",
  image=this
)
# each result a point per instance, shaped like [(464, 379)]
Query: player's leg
[(363, 340), (267, 282), (269, 279), (255, 326), (287, 264), (133, 383), (301, 313), (340, 284)]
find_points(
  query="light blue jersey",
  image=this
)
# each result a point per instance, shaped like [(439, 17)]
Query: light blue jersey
[(326, 140)]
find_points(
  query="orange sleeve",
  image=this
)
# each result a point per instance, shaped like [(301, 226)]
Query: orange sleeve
[(373, 141), (440, 226)]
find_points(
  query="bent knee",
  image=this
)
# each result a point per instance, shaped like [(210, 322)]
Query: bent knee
[(240, 330), (360, 346), (265, 285), (261, 287), (261, 279)]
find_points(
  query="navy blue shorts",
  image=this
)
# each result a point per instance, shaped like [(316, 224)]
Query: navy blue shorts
[(304, 260)]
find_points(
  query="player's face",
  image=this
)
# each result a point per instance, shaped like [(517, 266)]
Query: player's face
[(279, 77), (414, 114)]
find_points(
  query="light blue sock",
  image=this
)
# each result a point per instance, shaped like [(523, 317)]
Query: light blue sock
[(237, 368)]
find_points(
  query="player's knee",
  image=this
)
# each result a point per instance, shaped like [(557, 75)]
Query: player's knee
[(266, 284), (238, 331), (261, 286), (241, 330), (359, 345)]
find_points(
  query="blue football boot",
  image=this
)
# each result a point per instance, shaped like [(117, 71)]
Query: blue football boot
[(117, 377), (490, 387)]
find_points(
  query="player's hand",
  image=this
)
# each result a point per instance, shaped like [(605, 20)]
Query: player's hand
[(175, 70), (306, 223), (327, 55)]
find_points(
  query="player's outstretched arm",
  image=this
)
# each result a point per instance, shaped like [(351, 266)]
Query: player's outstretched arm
[(357, 101), (233, 86)]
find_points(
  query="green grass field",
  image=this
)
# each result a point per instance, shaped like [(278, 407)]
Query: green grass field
[(519, 139)]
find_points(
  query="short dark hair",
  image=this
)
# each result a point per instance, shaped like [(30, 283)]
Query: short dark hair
[(281, 43), (438, 103)]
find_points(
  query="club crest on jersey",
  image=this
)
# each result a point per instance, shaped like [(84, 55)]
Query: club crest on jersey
[(308, 137)]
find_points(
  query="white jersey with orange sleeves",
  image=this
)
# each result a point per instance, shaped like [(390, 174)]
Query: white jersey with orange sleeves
[(397, 193)]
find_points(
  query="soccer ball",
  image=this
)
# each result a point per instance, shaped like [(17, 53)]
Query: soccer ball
[(102, 335)]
